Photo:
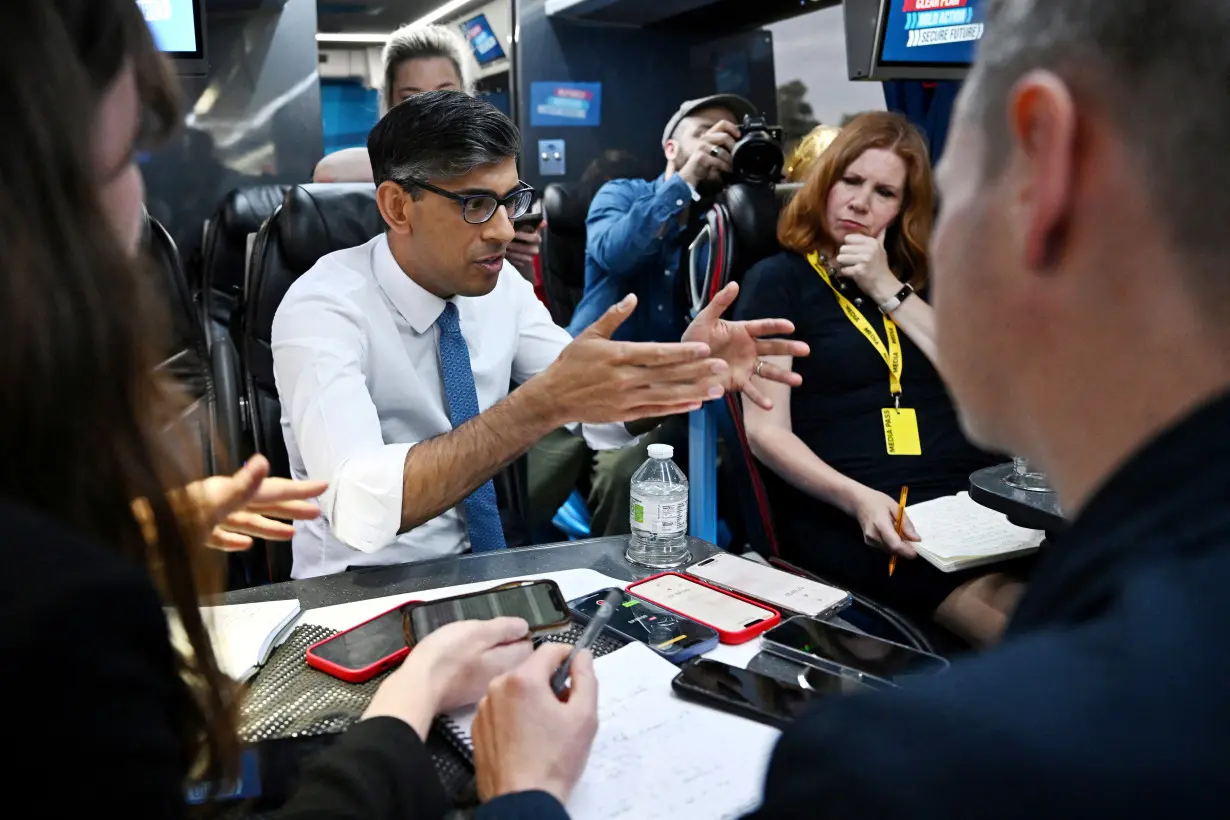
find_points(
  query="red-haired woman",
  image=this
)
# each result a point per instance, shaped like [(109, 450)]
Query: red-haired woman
[(854, 259)]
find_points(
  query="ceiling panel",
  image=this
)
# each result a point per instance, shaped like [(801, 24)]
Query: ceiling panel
[(365, 16)]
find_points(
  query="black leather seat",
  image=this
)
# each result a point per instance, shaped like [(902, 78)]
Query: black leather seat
[(224, 256), (314, 220), (753, 211), (563, 247), (186, 359), (224, 252)]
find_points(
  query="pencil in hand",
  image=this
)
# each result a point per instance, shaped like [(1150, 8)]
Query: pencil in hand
[(892, 562)]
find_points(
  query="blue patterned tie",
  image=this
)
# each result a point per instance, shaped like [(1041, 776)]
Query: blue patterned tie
[(482, 513)]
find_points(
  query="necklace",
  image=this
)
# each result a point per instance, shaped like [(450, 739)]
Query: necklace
[(843, 284)]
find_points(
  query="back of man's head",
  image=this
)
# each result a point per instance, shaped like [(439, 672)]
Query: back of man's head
[(1159, 70), (439, 135)]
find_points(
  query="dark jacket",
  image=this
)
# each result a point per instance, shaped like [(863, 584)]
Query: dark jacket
[(91, 688), (1107, 698)]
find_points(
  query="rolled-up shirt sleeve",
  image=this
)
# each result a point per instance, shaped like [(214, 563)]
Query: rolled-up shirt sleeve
[(318, 353), (539, 343)]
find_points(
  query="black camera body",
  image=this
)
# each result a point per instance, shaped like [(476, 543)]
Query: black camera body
[(758, 157)]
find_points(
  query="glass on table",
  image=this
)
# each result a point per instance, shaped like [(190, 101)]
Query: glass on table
[(1025, 476)]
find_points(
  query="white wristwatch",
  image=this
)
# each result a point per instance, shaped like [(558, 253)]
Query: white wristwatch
[(892, 304)]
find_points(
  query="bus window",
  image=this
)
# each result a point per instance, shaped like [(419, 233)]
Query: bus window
[(809, 60)]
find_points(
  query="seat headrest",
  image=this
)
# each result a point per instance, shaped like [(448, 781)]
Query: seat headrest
[(566, 207), (786, 190), (245, 209), (754, 210), (318, 219)]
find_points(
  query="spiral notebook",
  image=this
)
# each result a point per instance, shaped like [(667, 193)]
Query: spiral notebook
[(657, 757)]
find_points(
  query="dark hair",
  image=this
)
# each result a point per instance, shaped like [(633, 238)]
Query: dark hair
[(802, 227), (84, 421), (1157, 68), (439, 135)]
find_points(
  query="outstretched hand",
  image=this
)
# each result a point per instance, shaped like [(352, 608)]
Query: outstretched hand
[(741, 344), (596, 380), (244, 506)]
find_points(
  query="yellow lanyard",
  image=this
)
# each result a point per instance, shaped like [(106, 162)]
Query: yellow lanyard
[(890, 354)]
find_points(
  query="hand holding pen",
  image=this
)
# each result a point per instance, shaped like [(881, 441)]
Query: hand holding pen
[(526, 738), (892, 562), (601, 618)]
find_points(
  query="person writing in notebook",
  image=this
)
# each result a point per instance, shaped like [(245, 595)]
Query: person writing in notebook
[(393, 359), (854, 245), (1083, 321)]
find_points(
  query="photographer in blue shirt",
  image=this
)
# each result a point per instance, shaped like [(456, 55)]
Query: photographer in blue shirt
[(635, 228), (635, 243)]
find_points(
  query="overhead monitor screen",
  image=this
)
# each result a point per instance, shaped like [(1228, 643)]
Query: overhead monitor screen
[(930, 32), (173, 24), (483, 42)]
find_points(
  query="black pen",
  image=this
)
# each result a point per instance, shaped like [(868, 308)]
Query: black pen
[(591, 633)]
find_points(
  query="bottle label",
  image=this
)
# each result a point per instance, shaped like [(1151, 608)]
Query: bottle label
[(653, 517)]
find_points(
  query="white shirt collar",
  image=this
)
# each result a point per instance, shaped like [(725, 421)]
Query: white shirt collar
[(418, 307)]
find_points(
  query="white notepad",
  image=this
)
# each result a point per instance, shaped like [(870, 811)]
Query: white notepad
[(959, 533), (657, 757), (243, 635)]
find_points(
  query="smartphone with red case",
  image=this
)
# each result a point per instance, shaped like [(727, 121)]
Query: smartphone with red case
[(736, 619), (364, 651)]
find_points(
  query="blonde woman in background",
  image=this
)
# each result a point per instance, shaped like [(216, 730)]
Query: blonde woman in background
[(420, 58), (810, 147), (415, 59)]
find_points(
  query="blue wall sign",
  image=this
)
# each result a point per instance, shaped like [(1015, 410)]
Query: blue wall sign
[(565, 104)]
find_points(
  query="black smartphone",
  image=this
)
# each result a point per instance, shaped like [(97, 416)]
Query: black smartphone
[(753, 695), (528, 222), (807, 640), (540, 603), (672, 636)]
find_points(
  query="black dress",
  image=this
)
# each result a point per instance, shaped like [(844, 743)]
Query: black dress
[(836, 412)]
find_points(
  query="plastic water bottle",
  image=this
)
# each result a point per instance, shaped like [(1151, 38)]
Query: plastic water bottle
[(659, 512)]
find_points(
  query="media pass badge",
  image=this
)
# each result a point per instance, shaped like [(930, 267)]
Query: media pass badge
[(940, 22)]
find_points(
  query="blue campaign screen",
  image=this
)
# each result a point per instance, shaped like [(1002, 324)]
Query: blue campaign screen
[(172, 23), (936, 32), (482, 39)]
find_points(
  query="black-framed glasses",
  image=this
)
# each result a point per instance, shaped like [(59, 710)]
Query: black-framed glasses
[(479, 208)]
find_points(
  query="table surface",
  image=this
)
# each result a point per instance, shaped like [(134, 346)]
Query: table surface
[(1035, 511), (603, 555)]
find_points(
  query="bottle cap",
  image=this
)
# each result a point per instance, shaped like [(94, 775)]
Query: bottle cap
[(661, 451)]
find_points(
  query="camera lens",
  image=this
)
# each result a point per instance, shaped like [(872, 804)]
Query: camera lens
[(757, 159)]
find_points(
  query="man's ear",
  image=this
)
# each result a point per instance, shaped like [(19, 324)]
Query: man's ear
[(1042, 122), (671, 149), (395, 206)]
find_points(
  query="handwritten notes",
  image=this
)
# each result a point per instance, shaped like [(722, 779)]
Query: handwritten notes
[(958, 532), (657, 756)]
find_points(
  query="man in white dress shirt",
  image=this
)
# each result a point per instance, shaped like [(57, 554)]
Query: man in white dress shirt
[(393, 359)]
